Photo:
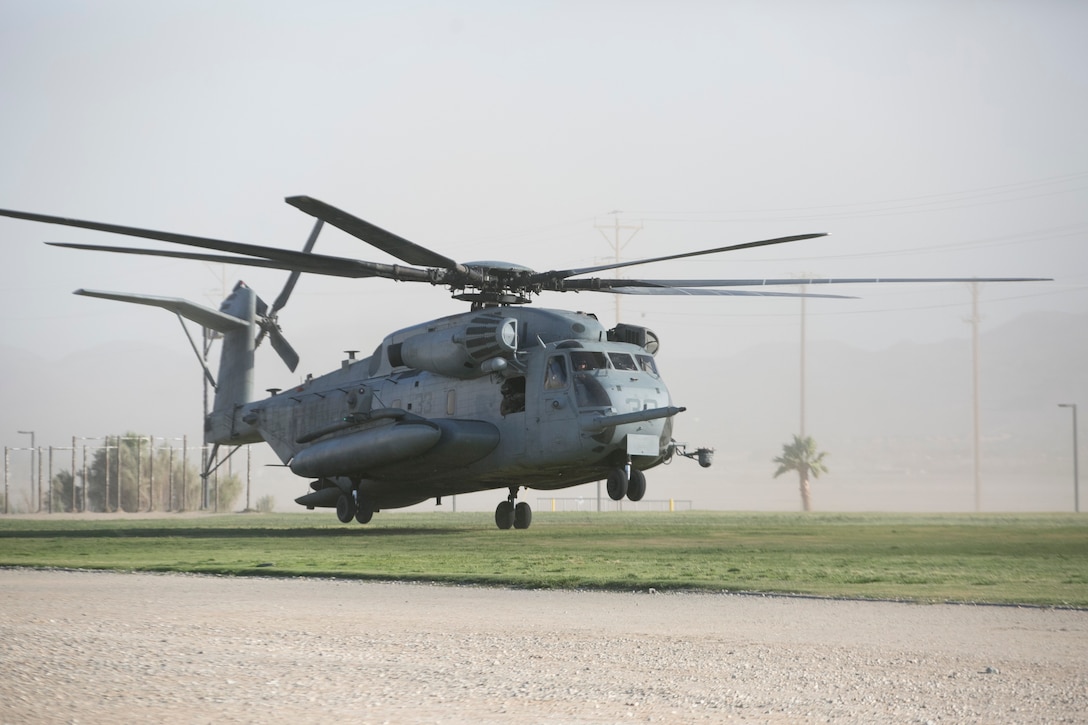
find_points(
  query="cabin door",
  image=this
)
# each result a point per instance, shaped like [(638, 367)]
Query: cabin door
[(557, 436)]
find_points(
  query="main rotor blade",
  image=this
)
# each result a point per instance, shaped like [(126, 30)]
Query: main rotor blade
[(314, 264), (564, 274), (709, 292), (292, 280), (286, 258), (651, 290), (373, 235), (186, 239), (696, 287), (577, 284)]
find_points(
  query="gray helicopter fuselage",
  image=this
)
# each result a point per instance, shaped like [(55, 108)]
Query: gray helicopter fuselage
[(496, 398)]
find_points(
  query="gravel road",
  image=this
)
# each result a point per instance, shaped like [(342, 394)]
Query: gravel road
[(94, 647)]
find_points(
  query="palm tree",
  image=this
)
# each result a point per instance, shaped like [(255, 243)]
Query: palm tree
[(801, 456)]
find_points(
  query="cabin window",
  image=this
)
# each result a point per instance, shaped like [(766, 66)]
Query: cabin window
[(513, 396), (555, 376), (451, 402), (586, 360), (622, 361)]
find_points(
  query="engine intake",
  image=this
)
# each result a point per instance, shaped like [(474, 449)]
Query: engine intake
[(461, 351)]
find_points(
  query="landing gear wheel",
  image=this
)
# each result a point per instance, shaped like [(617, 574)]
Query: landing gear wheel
[(523, 516), (345, 508), (636, 486), (363, 513), (617, 484), (504, 515)]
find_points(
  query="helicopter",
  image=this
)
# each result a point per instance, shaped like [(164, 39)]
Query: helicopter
[(503, 396)]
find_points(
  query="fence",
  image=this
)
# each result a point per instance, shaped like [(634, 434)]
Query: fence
[(593, 504), (165, 491)]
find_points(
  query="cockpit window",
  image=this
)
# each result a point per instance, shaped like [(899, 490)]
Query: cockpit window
[(585, 360), (646, 362), (622, 361), (555, 376)]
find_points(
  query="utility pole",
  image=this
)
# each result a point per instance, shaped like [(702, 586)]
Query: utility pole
[(106, 451), (803, 359), (975, 320), (617, 245), (1076, 466)]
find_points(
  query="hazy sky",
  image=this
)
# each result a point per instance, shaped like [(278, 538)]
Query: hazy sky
[(929, 138)]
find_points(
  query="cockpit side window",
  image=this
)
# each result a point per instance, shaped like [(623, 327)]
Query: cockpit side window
[(586, 360), (622, 361), (555, 374), (646, 362)]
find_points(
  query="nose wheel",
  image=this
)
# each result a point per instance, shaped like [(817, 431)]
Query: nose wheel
[(617, 484), (627, 482), (510, 515)]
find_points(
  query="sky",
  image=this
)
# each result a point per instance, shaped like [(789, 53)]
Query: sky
[(927, 138)]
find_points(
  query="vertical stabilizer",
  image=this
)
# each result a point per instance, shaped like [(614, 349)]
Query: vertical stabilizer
[(235, 379)]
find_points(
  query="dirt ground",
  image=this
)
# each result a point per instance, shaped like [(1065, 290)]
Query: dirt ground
[(94, 647)]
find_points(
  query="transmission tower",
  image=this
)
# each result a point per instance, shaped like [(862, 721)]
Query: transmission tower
[(617, 244)]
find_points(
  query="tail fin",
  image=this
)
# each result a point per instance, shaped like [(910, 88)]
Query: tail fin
[(235, 379), (236, 319)]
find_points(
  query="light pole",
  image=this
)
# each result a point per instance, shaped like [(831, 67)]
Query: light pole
[(33, 452), (1076, 472)]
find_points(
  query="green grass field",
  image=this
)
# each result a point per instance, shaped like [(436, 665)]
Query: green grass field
[(1038, 559)]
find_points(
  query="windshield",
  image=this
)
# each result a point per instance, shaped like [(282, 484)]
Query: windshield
[(622, 361), (646, 362), (557, 371), (585, 360)]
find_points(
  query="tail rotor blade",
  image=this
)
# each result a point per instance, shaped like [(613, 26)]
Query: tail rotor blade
[(269, 325), (283, 348), (292, 280)]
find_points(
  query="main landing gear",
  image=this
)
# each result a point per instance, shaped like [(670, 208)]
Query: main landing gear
[(348, 508), (518, 516), (626, 481)]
